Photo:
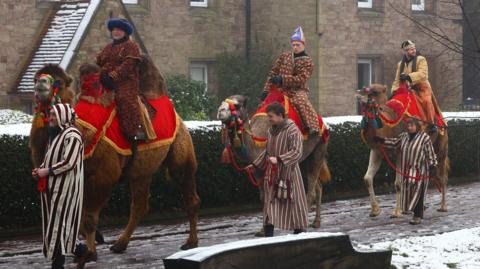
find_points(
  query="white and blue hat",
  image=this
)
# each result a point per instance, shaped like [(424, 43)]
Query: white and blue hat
[(298, 35)]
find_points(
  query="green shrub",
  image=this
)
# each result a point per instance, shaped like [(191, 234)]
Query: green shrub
[(190, 98), (217, 184)]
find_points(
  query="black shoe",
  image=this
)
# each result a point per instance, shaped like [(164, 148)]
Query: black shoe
[(58, 262), (269, 230), (298, 231), (80, 250), (99, 238)]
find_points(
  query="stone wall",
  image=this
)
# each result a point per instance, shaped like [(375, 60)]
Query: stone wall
[(21, 24)]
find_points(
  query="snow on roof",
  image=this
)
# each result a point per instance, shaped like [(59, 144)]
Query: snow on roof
[(61, 39)]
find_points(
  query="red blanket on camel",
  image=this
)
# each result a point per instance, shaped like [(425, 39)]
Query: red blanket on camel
[(103, 122), (275, 95), (403, 103)]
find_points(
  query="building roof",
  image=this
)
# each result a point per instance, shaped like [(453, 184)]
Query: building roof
[(61, 40)]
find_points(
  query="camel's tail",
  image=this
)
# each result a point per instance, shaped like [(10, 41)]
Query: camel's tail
[(325, 176)]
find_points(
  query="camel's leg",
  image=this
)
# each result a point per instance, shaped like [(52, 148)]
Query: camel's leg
[(140, 191), (443, 177), (182, 166), (398, 189), (318, 202), (373, 165)]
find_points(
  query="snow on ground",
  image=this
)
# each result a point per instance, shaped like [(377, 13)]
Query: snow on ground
[(458, 249), (14, 122)]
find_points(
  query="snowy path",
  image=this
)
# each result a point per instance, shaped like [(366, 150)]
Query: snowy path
[(152, 243)]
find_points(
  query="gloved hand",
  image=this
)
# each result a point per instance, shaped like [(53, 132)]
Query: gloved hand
[(264, 95), (277, 80), (433, 171), (405, 77), (107, 81), (378, 139)]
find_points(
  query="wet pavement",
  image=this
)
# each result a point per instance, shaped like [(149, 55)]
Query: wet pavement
[(150, 244)]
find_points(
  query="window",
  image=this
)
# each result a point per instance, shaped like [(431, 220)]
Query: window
[(364, 72), (130, 2), (365, 3), (418, 5), (199, 3), (199, 72)]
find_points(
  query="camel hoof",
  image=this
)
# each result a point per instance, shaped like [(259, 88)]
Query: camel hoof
[(118, 247), (189, 246), (375, 213), (260, 233), (89, 256), (442, 210), (315, 224), (395, 215)]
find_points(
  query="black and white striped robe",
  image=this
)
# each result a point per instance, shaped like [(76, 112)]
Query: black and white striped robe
[(414, 159), (62, 202), (287, 145)]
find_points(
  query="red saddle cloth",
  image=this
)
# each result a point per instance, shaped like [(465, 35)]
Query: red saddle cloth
[(405, 104), (104, 123), (275, 95)]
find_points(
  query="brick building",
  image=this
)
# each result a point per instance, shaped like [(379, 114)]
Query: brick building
[(353, 43)]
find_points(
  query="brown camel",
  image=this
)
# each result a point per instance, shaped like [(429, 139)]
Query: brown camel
[(313, 162), (440, 143), (105, 168)]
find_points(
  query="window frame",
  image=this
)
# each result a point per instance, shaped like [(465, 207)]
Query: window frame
[(203, 3), (370, 70), (202, 65), (418, 7), (130, 2), (368, 4)]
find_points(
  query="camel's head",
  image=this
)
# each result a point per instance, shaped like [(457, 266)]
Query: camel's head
[(48, 78), (376, 91), (235, 105), (43, 87)]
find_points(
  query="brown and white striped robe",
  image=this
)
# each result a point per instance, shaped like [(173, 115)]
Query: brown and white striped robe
[(62, 202), (285, 143), (415, 157)]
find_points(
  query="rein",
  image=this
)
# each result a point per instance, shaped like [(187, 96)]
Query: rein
[(251, 177), (394, 167)]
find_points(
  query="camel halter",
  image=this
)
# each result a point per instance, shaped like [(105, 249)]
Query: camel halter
[(42, 111)]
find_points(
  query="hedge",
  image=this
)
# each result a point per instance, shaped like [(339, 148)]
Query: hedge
[(220, 185)]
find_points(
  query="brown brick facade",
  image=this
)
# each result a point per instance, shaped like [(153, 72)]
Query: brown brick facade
[(338, 35)]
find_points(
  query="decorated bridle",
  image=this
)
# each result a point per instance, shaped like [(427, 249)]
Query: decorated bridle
[(41, 111), (370, 113), (234, 126)]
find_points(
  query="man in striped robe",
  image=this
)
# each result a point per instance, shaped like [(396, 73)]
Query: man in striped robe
[(285, 203), (62, 198), (416, 162)]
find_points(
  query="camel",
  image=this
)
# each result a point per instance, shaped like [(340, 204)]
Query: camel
[(313, 162), (440, 143), (106, 167)]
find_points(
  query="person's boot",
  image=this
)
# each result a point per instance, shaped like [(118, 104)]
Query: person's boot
[(99, 238), (269, 230), (58, 262), (298, 231)]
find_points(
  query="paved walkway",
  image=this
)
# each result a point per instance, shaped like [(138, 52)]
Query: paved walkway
[(152, 243)]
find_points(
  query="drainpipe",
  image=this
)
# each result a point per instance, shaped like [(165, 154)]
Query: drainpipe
[(248, 24)]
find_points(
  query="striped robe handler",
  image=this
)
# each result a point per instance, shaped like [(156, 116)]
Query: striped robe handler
[(62, 201), (285, 143), (416, 155)]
